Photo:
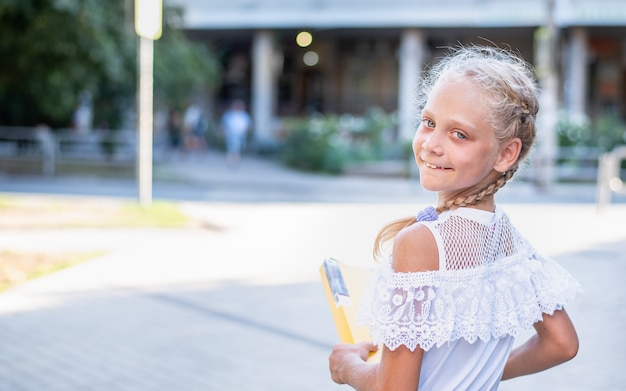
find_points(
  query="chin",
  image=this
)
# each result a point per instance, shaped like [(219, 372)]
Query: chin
[(428, 185)]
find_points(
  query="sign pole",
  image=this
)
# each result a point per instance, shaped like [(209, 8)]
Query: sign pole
[(144, 146), (148, 25)]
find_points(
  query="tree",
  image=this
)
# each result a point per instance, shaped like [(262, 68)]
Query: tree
[(55, 50), (182, 68)]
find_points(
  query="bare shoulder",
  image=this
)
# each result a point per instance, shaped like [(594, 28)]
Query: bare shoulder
[(415, 249)]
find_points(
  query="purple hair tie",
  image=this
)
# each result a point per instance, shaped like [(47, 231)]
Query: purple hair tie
[(428, 214)]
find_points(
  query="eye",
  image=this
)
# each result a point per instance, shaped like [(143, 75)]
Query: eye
[(428, 123), (459, 135)]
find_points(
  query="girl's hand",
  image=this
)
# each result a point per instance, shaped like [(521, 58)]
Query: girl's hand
[(346, 356)]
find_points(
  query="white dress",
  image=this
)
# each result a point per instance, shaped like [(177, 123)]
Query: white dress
[(491, 284)]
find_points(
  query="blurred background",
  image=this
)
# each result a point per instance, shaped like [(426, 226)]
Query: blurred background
[(215, 285), (330, 85)]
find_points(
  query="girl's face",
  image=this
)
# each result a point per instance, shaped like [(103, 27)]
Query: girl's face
[(455, 147)]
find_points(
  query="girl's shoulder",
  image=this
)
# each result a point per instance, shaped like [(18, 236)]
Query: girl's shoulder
[(415, 250)]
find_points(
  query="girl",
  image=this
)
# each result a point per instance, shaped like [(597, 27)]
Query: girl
[(462, 282)]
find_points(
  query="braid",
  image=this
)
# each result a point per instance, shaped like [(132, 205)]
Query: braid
[(473, 199)]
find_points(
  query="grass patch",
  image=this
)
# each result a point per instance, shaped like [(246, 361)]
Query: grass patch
[(66, 212), (158, 214), (19, 267), (51, 213)]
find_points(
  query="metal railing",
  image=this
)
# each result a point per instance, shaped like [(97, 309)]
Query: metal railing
[(48, 148), (609, 180)]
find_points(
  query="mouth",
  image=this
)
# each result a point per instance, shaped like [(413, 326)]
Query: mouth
[(432, 166)]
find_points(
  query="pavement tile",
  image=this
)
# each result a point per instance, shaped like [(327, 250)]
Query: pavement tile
[(238, 304)]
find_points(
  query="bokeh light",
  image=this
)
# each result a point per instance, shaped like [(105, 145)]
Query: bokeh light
[(310, 58), (304, 39)]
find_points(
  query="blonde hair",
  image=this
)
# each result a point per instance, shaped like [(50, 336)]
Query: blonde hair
[(512, 97)]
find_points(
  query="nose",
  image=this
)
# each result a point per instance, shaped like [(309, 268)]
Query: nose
[(431, 142)]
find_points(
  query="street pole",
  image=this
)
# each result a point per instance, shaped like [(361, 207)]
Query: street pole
[(144, 145), (148, 25)]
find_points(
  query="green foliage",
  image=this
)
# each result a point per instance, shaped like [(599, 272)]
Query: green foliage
[(610, 132), (604, 133), (367, 134), (53, 50), (329, 143), (182, 68), (314, 144), (573, 130)]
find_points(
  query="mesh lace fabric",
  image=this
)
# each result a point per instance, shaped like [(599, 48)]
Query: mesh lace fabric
[(470, 244), (492, 283)]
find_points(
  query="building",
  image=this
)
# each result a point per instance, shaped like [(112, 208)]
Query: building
[(365, 53)]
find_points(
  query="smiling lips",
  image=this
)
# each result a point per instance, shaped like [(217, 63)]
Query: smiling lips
[(433, 166)]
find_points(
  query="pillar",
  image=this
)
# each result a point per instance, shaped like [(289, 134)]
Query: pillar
[(411, 59), (576, 72), (544, 160), (262, 105)]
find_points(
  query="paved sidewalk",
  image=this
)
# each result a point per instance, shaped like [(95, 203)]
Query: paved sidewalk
[(237, 305), (207, 178)]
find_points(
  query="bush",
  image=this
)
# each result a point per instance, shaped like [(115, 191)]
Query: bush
[(605, 132), (573, 130), (610, 132), (314, 144), (329, 143)]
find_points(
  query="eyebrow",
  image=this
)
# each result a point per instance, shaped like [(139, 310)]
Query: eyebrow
[(464, 125), (455, 122)]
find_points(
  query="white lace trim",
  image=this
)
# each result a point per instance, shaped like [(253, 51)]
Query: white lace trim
[(428, 309)]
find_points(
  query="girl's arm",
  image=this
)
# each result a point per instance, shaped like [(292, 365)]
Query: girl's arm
[(414, 250), (398, 370), (555, 343)]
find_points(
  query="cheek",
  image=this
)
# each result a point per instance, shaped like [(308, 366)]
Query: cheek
[(417, 142), (481, 160)]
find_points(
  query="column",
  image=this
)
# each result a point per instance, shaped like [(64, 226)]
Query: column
[(576, 73), (263, 85), (411, 58), (544, 160)]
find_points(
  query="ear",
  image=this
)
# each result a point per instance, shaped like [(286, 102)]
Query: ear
[(508, 155)]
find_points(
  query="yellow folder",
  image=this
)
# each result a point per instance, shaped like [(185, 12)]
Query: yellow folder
[(344, 286)]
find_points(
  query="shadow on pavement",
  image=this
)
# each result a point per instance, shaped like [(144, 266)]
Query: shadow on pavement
[(235, 335)]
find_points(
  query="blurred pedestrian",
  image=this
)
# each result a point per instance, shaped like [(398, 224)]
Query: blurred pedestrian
[(194, 127), (461, 282), (235, 125), (83, 115), (47, 145), (174, 132)]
